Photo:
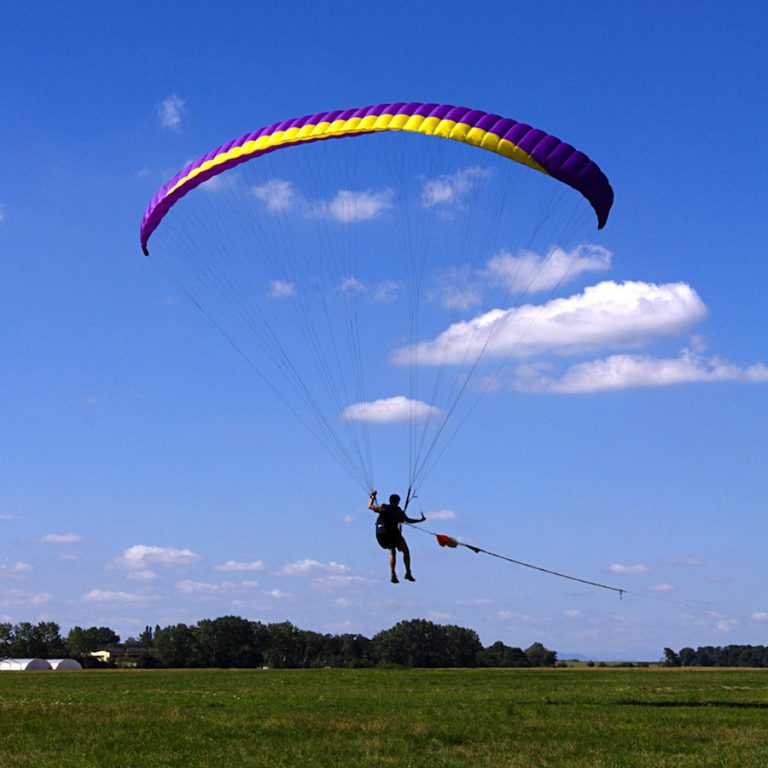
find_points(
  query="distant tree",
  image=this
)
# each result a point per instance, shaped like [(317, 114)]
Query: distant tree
[(28, 640), (539, 656), (80, 642), (671, 659), (6, 639), (414, 643), (284, 647), (177, 646), (228, 642), (463, 646), (687, 657), (421, 643), (354, 651), (147, 638), (501, 655)]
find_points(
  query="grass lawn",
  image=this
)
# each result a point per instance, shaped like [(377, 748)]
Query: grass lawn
[(553, 717)]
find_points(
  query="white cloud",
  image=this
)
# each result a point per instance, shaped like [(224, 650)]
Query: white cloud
[(279, 289), (453, 297), (220, 182), (441, 615), (390, 409), (760, 615), (278, 594), (633, 371), (724, 626), (352, 285), (441, 514), (191, 587), (574, 614), (663, 587), (110, 596), (635, 569), (306, 566), (59, 538), (449, 190), (40, 598), (10, 517), (145, 575), (140, 556), (346, 206), (523, 618), (339, 581), (608, 314), (278, 194), (687, 561), (475, 601), (233, 565), (530, 272), (386, 292), (170, 111), (15, 569), (349, 206), (12, 598)]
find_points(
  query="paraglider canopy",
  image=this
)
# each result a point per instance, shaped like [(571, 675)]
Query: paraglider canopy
[(325, 274), (504, 136)]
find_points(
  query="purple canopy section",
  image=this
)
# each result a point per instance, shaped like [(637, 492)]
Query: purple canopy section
[(558, 159)]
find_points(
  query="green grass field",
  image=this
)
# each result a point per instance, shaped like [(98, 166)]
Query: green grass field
[(553, 717)]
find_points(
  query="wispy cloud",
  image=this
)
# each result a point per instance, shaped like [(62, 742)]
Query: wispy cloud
[(220, 182), (346, 206), (441, 615), (531, 272), (277, 194), (14, 569), (335, 581), (351, 284), (140, 556), (13, 598), (525, 272), (234, 565), (112, 596), (760, 616), (631, 569), (606, 315), (450, 190), (441, 514), (300, 567), (2, 212), (59, 538), (170, 112), (386, 292), (279, 289), (192, 587), (389, 410), (686, 561), (634, 371), (663, 587), (352, 206), (142, 576)]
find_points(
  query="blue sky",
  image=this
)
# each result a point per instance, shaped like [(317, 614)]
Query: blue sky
[(148, 476)]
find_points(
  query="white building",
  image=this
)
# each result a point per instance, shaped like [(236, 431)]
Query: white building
[(24, 664), (63, 664)]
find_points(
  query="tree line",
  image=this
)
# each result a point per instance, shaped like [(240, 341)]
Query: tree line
[(718, 656), (231, 641)]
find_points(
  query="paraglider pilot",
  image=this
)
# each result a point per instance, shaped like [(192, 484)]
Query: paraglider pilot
[(389, 532)]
